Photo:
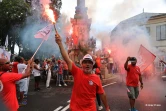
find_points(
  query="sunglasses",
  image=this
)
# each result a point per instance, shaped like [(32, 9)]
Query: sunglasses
[(5, 63)]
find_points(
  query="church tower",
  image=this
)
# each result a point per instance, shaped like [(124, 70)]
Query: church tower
[(80, 42), (81, 24)]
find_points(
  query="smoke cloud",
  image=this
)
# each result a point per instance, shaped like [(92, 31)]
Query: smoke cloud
[(129, 8), (34, 23)]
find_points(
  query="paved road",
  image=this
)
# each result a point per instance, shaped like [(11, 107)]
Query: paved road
[(152, 97)]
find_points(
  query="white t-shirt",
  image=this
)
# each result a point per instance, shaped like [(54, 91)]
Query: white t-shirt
[(21, 68), (35, 71)]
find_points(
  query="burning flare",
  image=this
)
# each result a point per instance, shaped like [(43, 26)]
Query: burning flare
[(70, 31), (109, 51), (50, 14)]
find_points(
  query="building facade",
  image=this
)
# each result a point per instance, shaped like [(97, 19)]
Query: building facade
[(156, 27), (155, 24)]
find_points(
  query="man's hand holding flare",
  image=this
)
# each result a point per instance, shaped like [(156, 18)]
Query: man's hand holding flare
[(58, 39)]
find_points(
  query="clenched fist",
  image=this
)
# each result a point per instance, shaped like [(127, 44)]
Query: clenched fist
[(58, 39)]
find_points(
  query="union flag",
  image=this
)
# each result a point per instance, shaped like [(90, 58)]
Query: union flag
[(44, 33), (145, 58)]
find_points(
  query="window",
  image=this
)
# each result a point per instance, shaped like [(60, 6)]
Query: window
[(148, 30), (161, 32)]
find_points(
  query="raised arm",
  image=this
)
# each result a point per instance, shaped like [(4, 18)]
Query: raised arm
[(36, 67), (126, 64), (163, 62), (63, 51)]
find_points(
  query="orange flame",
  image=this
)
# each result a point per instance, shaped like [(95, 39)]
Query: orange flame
[(109, 51), (70, 31), (49, 13)]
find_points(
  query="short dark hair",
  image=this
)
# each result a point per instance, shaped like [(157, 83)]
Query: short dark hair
[(20, 59), (133, 59), (36, 60), (16, 59)]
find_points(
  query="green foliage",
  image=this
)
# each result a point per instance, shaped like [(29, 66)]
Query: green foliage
[(13, 14), (13, 11)]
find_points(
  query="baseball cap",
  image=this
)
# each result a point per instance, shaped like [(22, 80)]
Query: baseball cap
[(88, 57)]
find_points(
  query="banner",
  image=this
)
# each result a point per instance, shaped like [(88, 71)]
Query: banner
[(145, 58), (44, 33), (5, 54)]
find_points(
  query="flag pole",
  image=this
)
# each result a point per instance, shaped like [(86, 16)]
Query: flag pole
[(55, 28), (37, 49), (35, 52)]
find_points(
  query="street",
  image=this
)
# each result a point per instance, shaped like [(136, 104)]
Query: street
[(151, 98)]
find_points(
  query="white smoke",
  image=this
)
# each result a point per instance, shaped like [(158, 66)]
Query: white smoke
[(34, 23), (129, 8), (126, 42)]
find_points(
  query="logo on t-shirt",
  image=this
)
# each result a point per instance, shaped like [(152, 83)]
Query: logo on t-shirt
[(91, 83), (1, 86)]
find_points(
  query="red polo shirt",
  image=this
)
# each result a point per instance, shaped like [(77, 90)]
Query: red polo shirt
[(84, 90)]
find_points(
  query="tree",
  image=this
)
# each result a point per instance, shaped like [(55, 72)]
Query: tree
[(13, 13)]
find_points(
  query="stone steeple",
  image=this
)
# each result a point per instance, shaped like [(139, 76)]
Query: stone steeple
[(81, 10), (81, 28)]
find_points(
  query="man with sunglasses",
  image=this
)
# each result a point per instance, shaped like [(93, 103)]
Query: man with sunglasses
[(86, 83), (8, 79)]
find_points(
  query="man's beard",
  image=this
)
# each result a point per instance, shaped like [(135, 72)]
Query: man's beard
[(87, 71)]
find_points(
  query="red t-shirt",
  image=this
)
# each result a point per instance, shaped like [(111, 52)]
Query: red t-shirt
[(8, 93), (60, 69), (65, 67), (14, 67), (97, 71), (132, 78), (98, 62), (84, 90)]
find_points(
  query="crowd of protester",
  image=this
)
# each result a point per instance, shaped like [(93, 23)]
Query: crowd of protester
[(48, 69)]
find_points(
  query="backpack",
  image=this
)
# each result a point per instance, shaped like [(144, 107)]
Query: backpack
[(1, 85)]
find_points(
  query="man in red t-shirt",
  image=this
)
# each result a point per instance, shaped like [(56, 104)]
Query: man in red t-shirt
[(7, 80), (14, 65), (86, 83), (132, 80), (60, 73)]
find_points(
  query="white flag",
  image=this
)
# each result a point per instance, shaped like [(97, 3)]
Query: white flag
[(6, 42), (44, 33)]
